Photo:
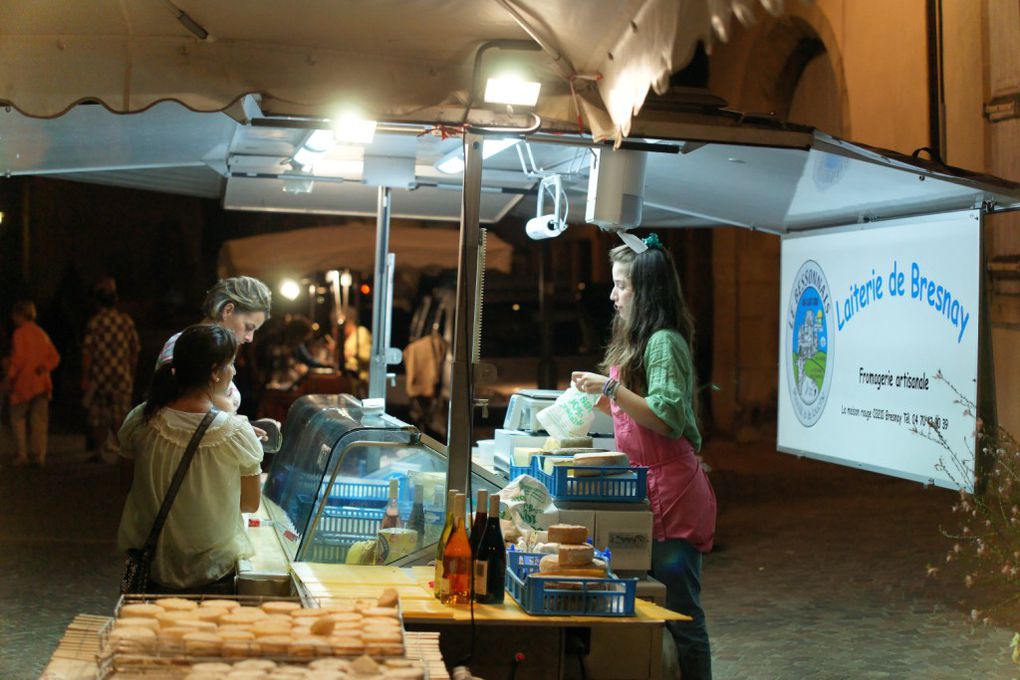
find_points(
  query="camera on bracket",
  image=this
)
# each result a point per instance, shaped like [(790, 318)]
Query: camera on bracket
[(544, 226)]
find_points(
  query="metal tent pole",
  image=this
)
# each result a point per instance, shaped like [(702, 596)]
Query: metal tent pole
[(380, 318), (462, 382)]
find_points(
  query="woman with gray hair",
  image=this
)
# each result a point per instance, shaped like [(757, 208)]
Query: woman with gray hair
[(239, 304)]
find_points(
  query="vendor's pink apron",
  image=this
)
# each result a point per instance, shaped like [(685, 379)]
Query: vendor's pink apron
[(682, 499)]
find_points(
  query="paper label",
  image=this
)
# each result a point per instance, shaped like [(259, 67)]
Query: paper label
[(481, 577)]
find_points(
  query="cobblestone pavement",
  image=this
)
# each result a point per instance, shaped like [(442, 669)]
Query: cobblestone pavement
[(819, 573)]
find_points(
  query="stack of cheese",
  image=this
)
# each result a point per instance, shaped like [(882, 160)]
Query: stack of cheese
[(574, 557), (320, 669), (583, 459), (225, 628)]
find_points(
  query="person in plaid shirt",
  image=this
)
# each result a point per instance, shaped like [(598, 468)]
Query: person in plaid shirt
[(109, 357)]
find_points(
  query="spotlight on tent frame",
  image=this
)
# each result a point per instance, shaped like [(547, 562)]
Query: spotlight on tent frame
[(512, 89)]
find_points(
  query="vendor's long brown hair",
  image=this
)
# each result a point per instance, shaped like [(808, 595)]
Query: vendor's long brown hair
[(658, 303)]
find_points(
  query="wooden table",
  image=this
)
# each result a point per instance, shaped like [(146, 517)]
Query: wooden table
[(618, 647)]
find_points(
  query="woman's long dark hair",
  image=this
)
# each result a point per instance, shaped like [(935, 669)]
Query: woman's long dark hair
[(200, 350), (657, 303)]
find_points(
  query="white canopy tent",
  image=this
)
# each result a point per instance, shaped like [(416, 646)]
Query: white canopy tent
[(394, 59), (351, 246)]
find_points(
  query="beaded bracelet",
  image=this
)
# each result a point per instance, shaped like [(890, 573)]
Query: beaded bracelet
[(610, 387)]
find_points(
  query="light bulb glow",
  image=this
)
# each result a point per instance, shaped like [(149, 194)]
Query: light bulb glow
[(512, 90), (290, 289)]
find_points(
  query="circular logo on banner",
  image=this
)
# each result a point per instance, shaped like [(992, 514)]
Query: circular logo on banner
[(810, 343)]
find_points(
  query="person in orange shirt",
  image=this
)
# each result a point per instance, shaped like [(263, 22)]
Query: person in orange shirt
[(28, 382)]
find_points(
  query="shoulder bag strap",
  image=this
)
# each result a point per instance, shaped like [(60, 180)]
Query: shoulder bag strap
[(175, 484)]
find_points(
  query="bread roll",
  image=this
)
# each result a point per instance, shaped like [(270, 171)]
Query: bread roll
[(575, 555), (572, 534)]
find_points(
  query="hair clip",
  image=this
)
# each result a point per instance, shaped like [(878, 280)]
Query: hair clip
[(652, 241)]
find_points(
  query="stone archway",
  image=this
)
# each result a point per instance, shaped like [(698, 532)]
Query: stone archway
[(789, 67)]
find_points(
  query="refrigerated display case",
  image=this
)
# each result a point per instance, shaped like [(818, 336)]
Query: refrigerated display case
[(327, 488)]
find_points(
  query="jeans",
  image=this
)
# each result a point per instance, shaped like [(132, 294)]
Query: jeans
[(30, 419), (677, 564)]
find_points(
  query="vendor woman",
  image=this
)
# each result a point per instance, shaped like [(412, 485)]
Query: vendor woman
[(650, 392)]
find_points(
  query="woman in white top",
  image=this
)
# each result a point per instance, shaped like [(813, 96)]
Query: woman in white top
[(203, 536)]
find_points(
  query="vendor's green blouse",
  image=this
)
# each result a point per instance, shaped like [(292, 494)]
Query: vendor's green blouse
[(670, 377)]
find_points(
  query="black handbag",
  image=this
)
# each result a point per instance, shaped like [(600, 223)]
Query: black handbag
[(139, 560)]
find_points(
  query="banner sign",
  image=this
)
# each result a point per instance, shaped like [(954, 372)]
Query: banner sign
[(871, 319)]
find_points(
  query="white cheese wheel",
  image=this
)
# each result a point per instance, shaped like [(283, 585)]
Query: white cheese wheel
[(575, 555), (572, 534)]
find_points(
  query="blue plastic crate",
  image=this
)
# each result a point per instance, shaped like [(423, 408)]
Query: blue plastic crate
[(603, 484), (357, 523), (540, 596), (357, 489), (518, 470)]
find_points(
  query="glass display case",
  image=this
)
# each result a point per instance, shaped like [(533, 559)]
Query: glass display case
[(329, 486)]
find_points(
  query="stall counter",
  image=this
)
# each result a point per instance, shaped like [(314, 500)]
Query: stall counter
[(545, 640)]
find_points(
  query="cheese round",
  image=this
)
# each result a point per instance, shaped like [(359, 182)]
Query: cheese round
[(575, 555), (220, 604), (177, 604), (280, 607), (568, 533), (323, 625), (137, 622), (141, 609)]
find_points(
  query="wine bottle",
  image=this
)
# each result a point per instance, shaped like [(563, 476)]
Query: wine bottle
[(478, 526), (391, 520), (416, 520), (456, 585), (490, 559), (441, 545)]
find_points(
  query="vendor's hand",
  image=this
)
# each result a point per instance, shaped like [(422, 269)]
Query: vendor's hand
[(261, 434), (590, 383)]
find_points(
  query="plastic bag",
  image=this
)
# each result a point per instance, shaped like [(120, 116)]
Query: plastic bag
[(571, 415), (526, 502)]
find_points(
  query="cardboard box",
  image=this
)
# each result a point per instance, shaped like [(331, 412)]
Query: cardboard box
[(628, 535), (584, 518)]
